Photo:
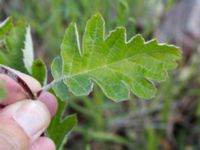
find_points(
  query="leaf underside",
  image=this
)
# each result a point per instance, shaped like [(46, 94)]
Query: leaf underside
[(28, 55), (59, 88), (118, 66)]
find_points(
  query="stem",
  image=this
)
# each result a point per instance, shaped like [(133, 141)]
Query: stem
[(50, 85)]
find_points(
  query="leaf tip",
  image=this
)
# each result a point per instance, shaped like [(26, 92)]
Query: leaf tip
[(97, 16)]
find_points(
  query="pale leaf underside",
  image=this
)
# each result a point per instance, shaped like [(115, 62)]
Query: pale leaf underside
[(28, 57)]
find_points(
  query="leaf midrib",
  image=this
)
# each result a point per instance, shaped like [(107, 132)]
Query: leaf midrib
[(104, 66)]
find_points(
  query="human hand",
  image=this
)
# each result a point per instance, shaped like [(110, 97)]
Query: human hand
[(22, 121)]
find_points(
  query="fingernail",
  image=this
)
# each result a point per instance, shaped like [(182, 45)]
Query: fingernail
[(33, 117)]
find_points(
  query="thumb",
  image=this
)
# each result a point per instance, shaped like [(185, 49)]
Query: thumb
[(22, 123)]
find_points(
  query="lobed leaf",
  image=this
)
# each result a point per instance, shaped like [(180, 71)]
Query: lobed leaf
[(60, 128), (118, 66)]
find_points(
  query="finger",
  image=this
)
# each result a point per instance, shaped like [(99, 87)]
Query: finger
[(22, 123), (11, 137), (50, 101), (14, 90), (43, 143)]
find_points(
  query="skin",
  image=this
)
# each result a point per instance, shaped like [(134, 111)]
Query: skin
[(22, 121)]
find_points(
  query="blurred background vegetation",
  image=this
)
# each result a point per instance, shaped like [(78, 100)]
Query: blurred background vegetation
[(169, 121)]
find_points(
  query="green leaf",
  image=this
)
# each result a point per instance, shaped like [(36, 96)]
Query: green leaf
[(14, 45), (28, 55), (18, 49), (59, 88), (3, 59), (5, 27), (39, 71), (152, 139), (60, 128), (118, 66)]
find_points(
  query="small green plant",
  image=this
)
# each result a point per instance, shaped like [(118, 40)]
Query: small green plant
[(117, 65)]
